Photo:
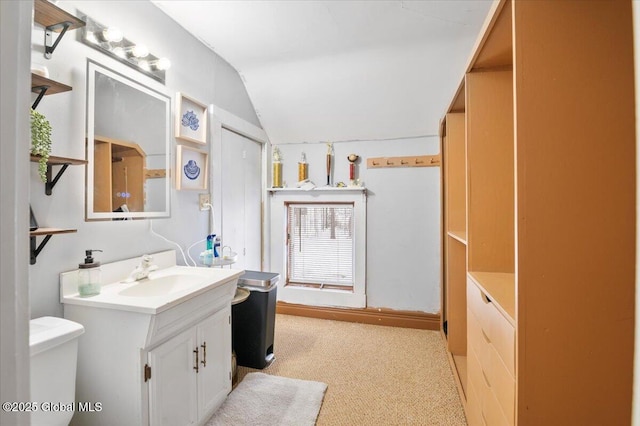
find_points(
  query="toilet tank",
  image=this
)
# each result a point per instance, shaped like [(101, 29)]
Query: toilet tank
[(53, 346)]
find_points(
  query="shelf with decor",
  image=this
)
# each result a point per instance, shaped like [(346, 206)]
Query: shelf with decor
[(53, 19), (56, 161), (45, 86)]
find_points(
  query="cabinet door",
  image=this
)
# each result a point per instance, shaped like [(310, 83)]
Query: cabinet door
[(172, 387), (214, 376)]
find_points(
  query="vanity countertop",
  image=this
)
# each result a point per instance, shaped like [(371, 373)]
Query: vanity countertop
[(164, 289)]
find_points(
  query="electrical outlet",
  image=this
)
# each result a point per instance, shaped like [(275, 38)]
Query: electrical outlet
[(205, 199)]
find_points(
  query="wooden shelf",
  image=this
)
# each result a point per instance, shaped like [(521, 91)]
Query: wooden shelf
[(45, 86), (53, 86), (501, 288), (458, 235), (51, 16), (51, 231), (54, 19), (56, 161), (47, 233)]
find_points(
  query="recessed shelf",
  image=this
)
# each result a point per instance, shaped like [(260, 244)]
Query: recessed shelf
[(56, 161)]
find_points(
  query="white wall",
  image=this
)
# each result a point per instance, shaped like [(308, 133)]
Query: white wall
[(196, 71), (403, 218), (15, 39)]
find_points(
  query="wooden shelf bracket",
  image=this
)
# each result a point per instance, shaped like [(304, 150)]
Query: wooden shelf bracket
[(413, 161)]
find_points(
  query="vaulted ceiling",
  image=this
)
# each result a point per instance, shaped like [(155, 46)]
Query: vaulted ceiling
[(341, 70)]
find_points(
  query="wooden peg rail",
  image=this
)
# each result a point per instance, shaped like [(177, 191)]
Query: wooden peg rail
[(415, 161)]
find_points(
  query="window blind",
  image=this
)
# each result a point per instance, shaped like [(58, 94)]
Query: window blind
[(320, 244)]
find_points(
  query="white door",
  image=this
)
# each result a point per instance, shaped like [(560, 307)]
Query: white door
[(214, 375), (242, 199), (172, 387)]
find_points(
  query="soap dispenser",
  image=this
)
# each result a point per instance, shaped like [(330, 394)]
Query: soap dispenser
[(89, 275)]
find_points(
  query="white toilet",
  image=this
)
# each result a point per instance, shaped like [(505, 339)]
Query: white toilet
[(54, 352)]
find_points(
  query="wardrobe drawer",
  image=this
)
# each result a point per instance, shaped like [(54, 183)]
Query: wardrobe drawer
[(474, 407), (483, 395), (496, 329), (501, 382)]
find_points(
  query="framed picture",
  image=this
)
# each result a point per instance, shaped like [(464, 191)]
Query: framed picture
[(192, 168), (191, 120)]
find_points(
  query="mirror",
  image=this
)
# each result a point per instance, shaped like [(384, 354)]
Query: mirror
[(128, 138)]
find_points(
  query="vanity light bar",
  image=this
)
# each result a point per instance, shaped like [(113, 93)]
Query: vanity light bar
[(111, 41)]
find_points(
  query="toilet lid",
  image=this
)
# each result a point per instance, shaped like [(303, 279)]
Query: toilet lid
[(48, 332)]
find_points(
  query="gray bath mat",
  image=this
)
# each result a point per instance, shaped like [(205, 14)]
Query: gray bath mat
[(265, 400)]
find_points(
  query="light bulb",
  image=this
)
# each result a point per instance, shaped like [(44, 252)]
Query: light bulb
[(140, 51), (91, 37), (112, 34), (120, 52), (163, 64)]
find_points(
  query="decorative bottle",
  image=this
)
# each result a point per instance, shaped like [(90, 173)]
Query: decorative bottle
[(303, 168), (277, 168)]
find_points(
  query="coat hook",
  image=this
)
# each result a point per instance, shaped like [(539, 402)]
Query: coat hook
[(433, 160), (389, 163), (375, 163), (419, 161), (404, 162)]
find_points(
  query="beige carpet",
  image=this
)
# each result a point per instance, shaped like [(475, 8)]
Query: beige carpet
[(375, 375), (267, 400)]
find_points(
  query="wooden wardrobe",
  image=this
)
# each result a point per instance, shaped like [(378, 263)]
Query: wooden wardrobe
[(539, 170)]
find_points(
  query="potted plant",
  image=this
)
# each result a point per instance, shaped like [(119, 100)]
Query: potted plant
[(40, 141)]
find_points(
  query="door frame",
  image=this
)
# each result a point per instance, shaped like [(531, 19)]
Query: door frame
[(221, 119)]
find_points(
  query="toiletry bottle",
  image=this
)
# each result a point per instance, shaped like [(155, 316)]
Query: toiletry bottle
[(216, 247), (89, 276)]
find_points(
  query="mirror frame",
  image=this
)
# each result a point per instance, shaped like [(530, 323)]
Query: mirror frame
[(94, 68)]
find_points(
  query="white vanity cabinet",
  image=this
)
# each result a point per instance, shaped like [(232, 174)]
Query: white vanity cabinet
[(154, 360), (190, 375)]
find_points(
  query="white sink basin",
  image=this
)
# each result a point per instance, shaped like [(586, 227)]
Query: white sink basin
[(163, 289), (161, 286)]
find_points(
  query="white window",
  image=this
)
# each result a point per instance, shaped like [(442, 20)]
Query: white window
[(320, 245)]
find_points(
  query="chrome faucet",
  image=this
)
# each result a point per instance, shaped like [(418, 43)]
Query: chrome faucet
[(143, 269)]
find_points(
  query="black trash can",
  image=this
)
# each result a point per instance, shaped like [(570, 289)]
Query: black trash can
[(253, 321)]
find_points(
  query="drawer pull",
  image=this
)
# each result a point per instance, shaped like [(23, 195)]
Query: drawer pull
[(485, 378), (485, 337), (485, 298)]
